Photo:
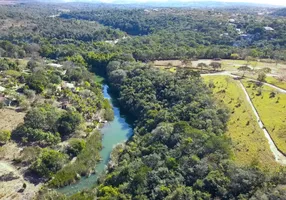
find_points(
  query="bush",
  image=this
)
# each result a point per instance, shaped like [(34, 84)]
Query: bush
[(29, 93), (37, 81), (75, 147), (26, 134), (4, 136), (29, 154), (261, 77), (1, 104), (49, 162), (69, 122)]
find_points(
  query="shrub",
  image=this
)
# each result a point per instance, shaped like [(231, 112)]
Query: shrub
[(49, 162), (75, 147), (27, 134), (4, 136), (261, 77), (69, 122)]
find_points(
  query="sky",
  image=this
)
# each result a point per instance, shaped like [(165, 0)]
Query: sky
[(272, 2)]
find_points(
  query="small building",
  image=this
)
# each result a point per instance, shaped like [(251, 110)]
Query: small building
[(268, 28), (55, 65), (231, 20)]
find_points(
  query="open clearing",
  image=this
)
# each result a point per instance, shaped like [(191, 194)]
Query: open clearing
[(232, 66), (249, 143), (271, 106), (9, 119), (12, 184)]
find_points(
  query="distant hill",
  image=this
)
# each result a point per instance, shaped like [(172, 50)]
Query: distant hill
[(280, 12), (169, 3), (12, 2)]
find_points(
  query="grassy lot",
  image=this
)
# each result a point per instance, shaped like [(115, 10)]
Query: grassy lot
[(274, 81), (234, 64), (229, 65), (249, 143), (10, 119), (272, 111)]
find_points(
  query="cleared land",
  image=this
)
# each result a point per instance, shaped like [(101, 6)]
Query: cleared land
[(230, 65), (249, 143), (9, 119), (271, 107), (275, 72), (12, 185)]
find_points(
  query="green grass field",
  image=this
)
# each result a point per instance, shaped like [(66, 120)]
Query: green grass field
[(272, 111), (249, 143), (274, 81)]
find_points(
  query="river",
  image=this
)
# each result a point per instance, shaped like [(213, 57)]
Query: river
[(114, 132)]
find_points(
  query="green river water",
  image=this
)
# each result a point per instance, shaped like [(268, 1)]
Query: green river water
[(114, 132)]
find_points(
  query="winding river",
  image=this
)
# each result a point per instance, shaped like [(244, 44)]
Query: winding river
[(114, 132)]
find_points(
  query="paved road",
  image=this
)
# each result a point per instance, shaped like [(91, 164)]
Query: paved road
[(279, 157)]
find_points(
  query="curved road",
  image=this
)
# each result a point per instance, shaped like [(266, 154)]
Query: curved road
[(279, 157)]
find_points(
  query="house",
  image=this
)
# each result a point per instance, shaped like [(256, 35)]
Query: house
[(267, 28)]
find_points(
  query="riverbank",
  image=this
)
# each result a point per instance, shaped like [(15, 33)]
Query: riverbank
[(113, 133)]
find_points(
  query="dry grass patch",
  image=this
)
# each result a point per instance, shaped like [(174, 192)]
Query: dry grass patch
[(10, 119)]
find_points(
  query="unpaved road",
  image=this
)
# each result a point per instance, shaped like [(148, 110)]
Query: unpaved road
[(279, 157), (226, 73)]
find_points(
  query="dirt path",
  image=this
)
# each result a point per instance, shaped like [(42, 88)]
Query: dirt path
[(279, 157)]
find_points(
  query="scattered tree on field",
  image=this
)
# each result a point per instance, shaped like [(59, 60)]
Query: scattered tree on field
[(215, 65)]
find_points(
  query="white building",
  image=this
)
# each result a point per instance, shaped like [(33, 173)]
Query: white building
[(267, 28)]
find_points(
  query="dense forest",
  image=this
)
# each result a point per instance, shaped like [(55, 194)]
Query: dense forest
[(179, 149), (175, 33)]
